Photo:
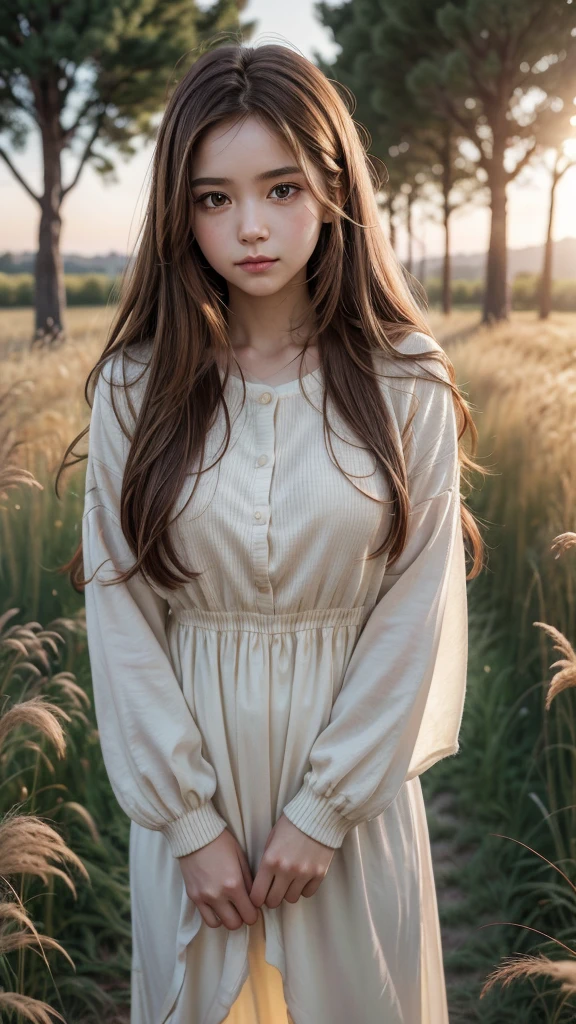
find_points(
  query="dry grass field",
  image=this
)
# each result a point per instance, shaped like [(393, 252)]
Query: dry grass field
[(520, 380), (521, 376)]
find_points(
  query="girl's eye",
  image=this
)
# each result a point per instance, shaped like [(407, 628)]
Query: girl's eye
[(208, 195), (218, 205), (283, 199)]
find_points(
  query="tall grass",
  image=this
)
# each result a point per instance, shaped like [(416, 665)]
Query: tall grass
[(51, 665), (514, 774), (560, 894), (28, 845)]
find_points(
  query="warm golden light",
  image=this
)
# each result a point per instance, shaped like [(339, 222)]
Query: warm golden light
[(569, 148)]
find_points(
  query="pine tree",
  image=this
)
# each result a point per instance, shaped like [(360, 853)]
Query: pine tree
[(499, 72), (420, 150), (85, 73)]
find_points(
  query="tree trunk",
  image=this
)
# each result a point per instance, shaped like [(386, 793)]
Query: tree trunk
[(546, 281), (496, 305), (49, 289), (409, 231), (446, 189), (446, 268)]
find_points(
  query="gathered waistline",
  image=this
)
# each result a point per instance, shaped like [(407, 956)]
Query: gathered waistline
[(264, 622)]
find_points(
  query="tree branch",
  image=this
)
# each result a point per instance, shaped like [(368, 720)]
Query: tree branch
[(18, 176), (87, 152), (18, 103), (526, 32), (71, 131), (486, 95), (510, 175), (469, 128), (560, 173)]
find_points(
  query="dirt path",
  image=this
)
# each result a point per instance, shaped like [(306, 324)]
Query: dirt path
[(449, 855)]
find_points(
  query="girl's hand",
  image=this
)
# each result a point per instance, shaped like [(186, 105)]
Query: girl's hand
[(217, 879), (293, 865)]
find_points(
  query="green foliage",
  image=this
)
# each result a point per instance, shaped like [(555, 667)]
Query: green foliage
[(17, 290), (109, 65), (81, 289), (418, 64), (431, 75), (71, 794), (514, 774), (84, 73), (524, 292)]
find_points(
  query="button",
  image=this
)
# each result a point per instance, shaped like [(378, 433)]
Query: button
[(265, 397), (262, 460), (262, 586), (257, 515)]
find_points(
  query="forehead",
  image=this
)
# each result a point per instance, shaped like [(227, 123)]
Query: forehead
[(241, 148)]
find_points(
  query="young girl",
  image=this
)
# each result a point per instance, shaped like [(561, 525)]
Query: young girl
[(278, 625)]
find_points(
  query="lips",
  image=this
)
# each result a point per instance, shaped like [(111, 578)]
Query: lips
[(257, 266), (257, 259)]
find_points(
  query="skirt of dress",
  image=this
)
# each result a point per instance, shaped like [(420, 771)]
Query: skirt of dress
[(262, 995), (366, 946), (409, 987)]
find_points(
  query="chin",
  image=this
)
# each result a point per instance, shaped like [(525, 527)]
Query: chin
[(256, 285)]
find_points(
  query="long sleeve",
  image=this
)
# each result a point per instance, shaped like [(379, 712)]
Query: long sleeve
[(151, 746), (399, 707)]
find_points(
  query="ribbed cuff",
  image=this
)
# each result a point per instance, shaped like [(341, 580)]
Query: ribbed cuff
[(194, 829), (315, 816)]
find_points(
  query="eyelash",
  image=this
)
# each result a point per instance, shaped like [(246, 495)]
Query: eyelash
[(281, 184)]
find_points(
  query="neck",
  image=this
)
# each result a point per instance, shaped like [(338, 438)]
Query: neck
[(270, 327)]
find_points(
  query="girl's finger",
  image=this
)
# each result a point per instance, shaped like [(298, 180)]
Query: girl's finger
[(294, 891), (277, 890), (227, 913), (245, 868), (262, 883), (311, 886), (248, 912), (208, 915)]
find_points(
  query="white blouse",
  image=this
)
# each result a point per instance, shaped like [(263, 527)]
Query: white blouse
[(279, 532)]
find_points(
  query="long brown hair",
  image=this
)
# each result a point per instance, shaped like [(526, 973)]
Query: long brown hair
[(174, 302)]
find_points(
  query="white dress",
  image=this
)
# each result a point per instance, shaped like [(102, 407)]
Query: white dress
[(292, 676)]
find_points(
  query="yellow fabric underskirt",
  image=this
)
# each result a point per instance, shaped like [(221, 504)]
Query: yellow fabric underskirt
[(261, 998)]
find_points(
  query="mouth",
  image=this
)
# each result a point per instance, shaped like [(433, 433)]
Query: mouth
[(257, 264)]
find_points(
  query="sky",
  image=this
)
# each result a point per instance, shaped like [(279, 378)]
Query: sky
[(99, 218)]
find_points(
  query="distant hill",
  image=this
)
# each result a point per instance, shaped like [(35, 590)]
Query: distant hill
[(464, 266), (528, 260)]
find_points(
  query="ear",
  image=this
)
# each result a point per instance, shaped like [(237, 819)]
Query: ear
[(329, 216)]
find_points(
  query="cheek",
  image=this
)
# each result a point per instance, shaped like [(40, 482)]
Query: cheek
[(208, 232), (301, 230), (213, 239)]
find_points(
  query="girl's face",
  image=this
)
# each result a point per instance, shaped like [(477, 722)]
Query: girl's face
[(259, 205)]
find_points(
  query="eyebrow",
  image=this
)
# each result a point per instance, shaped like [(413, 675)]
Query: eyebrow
[(276, 173)]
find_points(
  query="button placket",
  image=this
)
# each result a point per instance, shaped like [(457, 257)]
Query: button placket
[(264, 411)]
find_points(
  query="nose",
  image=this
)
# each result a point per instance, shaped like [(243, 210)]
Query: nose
[(252, 225)]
